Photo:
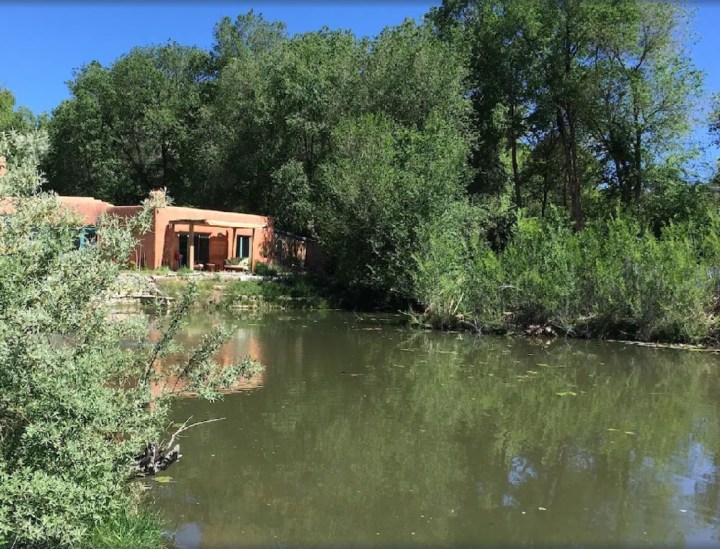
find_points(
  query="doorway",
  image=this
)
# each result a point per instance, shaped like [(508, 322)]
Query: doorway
[(202, 249)]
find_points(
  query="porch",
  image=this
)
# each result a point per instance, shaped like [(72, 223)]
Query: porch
[(213, 244)]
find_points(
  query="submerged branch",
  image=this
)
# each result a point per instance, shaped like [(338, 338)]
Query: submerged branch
[(158, 457)]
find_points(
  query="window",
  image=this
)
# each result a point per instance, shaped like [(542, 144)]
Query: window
[(86, 235), (242, 247)]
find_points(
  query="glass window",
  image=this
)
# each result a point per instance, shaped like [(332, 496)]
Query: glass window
[(242, 247)]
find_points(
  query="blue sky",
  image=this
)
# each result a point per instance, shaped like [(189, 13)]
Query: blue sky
[(44, 42)]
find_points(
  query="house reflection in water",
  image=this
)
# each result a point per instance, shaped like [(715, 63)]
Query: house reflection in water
[(245, 342)]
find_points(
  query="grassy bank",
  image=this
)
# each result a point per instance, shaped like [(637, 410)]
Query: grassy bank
[(214, 291), (126, 530), (614, 279)]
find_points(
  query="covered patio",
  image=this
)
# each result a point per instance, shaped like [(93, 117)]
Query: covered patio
[(230, 228)]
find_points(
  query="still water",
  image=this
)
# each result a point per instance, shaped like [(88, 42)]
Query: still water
[(364, 433)]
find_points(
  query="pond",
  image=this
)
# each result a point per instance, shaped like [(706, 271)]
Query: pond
[(364, 433)]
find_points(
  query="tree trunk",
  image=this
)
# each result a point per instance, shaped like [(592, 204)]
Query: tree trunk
[(164, 153), (638, 178), (513, 154), (620, 175), (566, 127), (516, 173), (575, 188)]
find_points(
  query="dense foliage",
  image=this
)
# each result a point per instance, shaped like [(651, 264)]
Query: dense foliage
[(498, 109), (657, 288), (82, 391)]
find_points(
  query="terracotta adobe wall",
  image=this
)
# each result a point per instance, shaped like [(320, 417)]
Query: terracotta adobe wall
[(160, 246), (88, 208)]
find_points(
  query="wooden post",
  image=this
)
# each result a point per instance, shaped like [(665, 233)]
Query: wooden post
[(252, 251), (233, 246), (228, 251), (174, 246), (191, 248)]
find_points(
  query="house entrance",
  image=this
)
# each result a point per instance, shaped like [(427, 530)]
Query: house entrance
[(202, 248)]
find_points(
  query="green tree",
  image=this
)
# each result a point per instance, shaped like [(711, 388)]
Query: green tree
[(13, 118), (606, 83), (131, 127), (500, 41), (383, 184), (276, 103), (647, 85), (237, 146), (715, 127)]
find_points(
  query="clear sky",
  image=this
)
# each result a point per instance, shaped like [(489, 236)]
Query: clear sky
[(43, 42)]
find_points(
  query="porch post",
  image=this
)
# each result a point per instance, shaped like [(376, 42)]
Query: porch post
[(174, 246), (252, 251), (191, 248)]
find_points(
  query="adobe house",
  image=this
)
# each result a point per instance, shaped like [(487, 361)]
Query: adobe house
[(185, 237), (190, 237)]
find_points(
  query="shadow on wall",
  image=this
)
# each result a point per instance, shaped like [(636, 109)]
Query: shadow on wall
[(293, 252)]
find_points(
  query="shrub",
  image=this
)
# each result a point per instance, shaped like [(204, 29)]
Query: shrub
[(458, 278), (541, 269), (615, 278), (263, 269), (77, 404)]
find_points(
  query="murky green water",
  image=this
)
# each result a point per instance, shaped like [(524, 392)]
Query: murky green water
[(365, 434)]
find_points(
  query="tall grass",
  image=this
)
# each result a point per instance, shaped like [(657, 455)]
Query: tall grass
[(614, 279), (127, 530)]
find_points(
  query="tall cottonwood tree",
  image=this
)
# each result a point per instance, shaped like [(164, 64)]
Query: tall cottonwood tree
[(499, 47), (646, 89), (131, 127), (608, 82)]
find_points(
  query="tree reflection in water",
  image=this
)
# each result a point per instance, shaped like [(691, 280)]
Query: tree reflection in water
[(392, 437)]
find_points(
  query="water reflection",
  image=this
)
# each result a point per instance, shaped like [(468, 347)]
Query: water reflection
[(382, 437), (240, 345)]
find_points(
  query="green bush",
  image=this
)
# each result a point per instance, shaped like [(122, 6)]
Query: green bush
[(614, 279), (77, 404), (541, 269), (458, 278), (263, 269)]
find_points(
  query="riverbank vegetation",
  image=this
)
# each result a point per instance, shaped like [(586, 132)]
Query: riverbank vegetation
[(613, 279), (82, 393), (286, 292), (492, 132)]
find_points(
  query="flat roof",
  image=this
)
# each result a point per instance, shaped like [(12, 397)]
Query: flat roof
[(217, 223)]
